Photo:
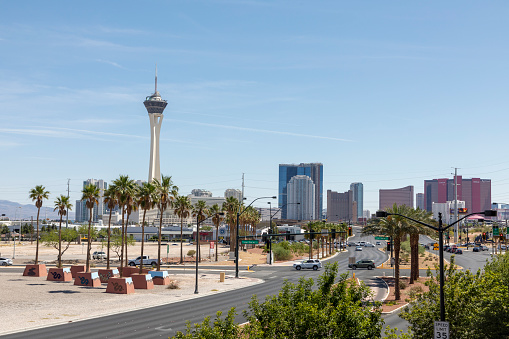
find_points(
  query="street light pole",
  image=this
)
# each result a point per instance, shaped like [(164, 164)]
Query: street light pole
[(197, 247), (440, 229), (237, 234)]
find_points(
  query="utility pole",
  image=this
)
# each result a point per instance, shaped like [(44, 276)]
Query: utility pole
[(242, 189), (456, 204), (67, 213)]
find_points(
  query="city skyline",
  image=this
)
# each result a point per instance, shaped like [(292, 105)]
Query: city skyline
[(362, 89)]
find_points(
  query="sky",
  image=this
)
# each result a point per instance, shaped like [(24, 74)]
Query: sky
[(387, 93)]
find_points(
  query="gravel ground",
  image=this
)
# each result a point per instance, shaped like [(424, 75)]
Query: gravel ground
[(29, 302)]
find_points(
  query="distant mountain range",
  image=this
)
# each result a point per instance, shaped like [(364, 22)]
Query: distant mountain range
[(11, 209)]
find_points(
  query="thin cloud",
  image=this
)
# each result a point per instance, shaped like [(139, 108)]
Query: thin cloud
[(261, 130), (110, 63)]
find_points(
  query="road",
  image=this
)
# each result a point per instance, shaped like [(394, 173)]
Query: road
[(165, 321)]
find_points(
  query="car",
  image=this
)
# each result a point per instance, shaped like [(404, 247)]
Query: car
[(446, 248), (458, 251), (502, 247), (358, 248), (364, 263), (99, 255), (485, 248), (362, 243), (350, 244), (5, 262), (378, 243), (368, 244), (476, 249), (314, 264)]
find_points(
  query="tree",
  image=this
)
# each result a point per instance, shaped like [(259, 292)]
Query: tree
[(117, 242), (124, 192), (216, 211), (396, 227), (90, 194), (61, 204), (38, 194), (231, 206), (55, 240), (146, 199), (414, 230), (182, 209), (334, 309), (476, 303), (166, 192), (200, 212), (110, 199), (5, 230)]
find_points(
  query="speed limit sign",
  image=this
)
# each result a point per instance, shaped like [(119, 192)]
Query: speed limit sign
[(441, 330)]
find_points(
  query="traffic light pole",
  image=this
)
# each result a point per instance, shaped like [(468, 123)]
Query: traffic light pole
[(440, 229)]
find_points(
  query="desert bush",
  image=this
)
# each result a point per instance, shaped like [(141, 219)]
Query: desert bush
[(191, 253)]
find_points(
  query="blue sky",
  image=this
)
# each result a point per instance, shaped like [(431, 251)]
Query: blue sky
[(386, 93)]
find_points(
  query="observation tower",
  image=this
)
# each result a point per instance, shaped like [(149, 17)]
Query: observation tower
[(155, 106)]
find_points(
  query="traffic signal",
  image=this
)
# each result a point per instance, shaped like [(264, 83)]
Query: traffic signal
[(350, 231), (388, 246), (333, 231), (484, 236), (287, 235)]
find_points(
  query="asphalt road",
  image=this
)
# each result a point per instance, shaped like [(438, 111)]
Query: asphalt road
[(165, 321)]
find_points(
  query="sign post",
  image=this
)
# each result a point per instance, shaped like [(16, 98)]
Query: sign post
[(441, 330)]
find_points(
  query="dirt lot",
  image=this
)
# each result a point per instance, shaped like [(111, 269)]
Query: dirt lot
[(391, 303)]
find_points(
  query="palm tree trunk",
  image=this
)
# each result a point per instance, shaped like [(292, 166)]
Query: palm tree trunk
[(217, 236), (310, 248), (142, 240), (109, 238), (159, 240), (414, 252), (37, 238), (397, 247), (122, 246), (181, 235), (127, 223), (60, 243), (89, 241)]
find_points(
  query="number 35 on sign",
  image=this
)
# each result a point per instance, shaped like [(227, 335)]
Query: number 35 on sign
[(441, 330)]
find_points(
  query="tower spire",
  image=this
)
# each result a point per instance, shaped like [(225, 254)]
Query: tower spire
[(156, 79)]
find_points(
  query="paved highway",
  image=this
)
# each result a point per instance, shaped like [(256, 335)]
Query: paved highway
[(165, 321)]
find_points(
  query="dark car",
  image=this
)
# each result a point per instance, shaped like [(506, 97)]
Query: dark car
[(476, 249), (446, 248), (365, 263), (458, 251)]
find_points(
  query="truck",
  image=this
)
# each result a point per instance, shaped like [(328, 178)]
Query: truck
[(146, 261)]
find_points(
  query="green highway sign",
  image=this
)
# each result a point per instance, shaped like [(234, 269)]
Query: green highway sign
[(381, 238), (250, 241)]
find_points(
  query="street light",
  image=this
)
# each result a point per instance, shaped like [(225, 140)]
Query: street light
[(440, 229), (270, 225), (198, 221), (14, 235), (237, 234)]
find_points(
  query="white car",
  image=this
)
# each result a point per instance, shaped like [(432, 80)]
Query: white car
[(368, 244), (99, 255), (5, 262), (314, 264), (358, 248)]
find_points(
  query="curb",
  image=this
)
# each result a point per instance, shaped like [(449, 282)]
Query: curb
[(397, 309), (388, 289)]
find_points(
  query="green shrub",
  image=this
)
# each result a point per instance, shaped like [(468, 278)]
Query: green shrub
[(280, 253), (191, 253), (402, 285)]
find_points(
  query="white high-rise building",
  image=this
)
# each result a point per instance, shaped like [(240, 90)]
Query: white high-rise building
[(155, 106), (301, 189), (232, 192), (82, 212)]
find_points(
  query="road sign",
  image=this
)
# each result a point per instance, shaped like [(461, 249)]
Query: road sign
[(250, 241), (496, 231), (435, 247), (441, 330), (381, 238), (211, 245)]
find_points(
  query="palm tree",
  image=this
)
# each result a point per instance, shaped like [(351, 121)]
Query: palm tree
[(310, 227), (396, 227), (166, 192), (130, 206), (415, 229), (182, 210), (61, 204), (37, 194), (123, 187), (90, 195), (110, 199), (201, 212), (231, 207), (146, 197), (215, 211)]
